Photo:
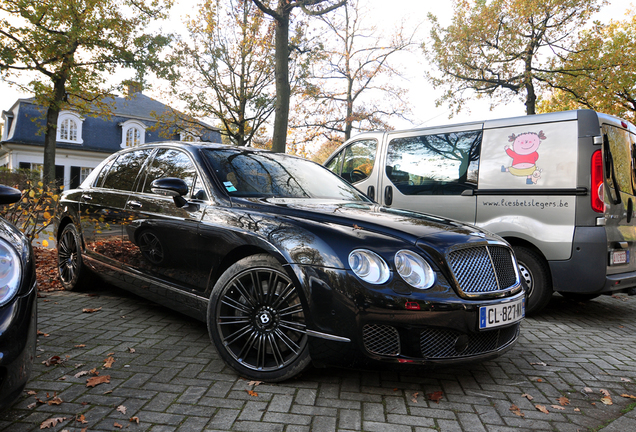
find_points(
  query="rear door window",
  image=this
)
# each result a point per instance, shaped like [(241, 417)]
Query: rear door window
[(620, 147), (124, 171), (359, 159)]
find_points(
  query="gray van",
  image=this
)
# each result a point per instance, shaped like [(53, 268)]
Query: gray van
[(558, 187)]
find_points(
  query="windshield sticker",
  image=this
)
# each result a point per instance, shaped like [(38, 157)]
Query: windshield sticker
[(524, 156), (229, 186)]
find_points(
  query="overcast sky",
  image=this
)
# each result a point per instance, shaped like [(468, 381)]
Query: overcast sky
[(422, 95)]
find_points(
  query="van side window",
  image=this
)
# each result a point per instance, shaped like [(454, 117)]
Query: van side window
[(620, 147), (359, 158), (334, 163), (441, 164)]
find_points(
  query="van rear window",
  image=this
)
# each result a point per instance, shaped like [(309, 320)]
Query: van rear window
[(620, 146)]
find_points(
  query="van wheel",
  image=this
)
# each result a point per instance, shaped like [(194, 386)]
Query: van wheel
[(535, 276)]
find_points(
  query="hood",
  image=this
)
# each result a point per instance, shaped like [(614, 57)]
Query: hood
[(404, 224)]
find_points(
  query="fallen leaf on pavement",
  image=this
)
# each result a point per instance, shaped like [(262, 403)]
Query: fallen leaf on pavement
[(254, 383), (80, 374), (588, 390), (414, 398), (251, 393), (563, 401), (131, 350), (626, 380), (94, 371), (80, 346), (93, 381), (527, 396), (134, 419), (81, 418), (628, 396), (605, 392), (53, 360), (558, 407), (435, 396), (51, 422), (31, 393), (33, 405), (91, 310), (577, 410), (121, 409), (607, 400), (516, 411), (120, 426), (40, 333), (109, 362), (539, 364), (542, 408), (55, 401)]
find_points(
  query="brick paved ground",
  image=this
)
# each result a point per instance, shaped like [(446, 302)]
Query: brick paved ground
[(175, 381)]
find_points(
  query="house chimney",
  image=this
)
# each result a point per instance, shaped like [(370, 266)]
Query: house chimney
[(134, 87)]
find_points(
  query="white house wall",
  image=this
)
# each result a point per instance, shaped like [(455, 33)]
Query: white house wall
[(63, 157)]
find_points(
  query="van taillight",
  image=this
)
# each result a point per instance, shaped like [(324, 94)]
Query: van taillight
[(598, 204)]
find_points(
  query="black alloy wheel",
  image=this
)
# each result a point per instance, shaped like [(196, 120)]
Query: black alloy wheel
[(71, 269), (257, 321)]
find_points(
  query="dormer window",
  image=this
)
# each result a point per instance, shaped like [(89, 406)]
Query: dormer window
[(69, 127), (188, 137), (133, 133)]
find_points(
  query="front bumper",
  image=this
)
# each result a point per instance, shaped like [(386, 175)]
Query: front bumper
[(379, 327), (18, 332)]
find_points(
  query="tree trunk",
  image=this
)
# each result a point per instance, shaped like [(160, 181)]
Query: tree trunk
[(281, 113), (50, 136)]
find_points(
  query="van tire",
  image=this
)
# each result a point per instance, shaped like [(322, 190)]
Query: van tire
[(535, 277)]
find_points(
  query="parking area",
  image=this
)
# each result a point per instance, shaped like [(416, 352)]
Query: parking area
[(109, 361)]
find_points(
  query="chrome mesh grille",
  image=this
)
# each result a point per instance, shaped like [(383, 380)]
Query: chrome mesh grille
[(381, 339), (441, 343), (483, 269)]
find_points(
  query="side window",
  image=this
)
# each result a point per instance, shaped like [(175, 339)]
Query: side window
[(171, 163), (359, 158), (124, 171), (620, 147), (441, 164), (334, 164)]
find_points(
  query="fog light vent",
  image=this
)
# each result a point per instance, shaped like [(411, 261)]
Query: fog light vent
[(381, 339)]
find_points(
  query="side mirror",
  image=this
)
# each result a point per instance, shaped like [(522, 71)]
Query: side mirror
[(171, 187), (9, 195)]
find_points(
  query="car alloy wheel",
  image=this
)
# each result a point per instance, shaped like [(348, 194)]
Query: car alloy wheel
[(258, 323)]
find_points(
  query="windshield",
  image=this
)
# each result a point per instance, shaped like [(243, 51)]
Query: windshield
[(246, 173)]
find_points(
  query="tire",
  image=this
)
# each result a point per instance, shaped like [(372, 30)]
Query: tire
[(260, 333), (578, 297), (535, 276), (71, 269)]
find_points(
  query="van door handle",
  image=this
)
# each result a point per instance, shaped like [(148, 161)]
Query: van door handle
[(371, 192), (388, 195), (135, 204), (630, 210)]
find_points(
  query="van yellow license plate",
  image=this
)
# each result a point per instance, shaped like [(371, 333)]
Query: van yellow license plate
[(501, 314)]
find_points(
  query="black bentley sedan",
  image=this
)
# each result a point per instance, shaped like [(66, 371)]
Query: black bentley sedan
[(18, 316), (286, 262)]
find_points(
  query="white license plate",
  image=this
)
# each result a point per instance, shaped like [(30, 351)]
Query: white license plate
[(501, 314), (619, 257)]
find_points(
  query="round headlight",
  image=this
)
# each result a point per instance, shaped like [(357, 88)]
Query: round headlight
[(10, 272), (369, 266), (414, 269)]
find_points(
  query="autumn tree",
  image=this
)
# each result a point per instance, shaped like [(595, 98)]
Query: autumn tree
[(502, 49), (353, 86), (280, 11), (226, 69), (62, 51), (599, 72)]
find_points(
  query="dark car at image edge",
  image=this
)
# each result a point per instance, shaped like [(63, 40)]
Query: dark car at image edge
[(287, 263), (18, 309)]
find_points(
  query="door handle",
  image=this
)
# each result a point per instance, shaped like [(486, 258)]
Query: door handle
[(87, 197), (388, 195), (371, 193), (135, 204)]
